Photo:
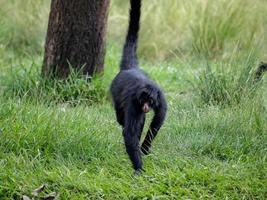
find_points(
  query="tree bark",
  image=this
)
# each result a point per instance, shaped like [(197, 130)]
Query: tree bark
[(75, 37)]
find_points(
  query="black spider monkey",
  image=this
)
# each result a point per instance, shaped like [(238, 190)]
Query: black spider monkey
[(134, 95)]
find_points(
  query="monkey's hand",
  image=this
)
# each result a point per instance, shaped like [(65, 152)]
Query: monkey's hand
[(145, 149)]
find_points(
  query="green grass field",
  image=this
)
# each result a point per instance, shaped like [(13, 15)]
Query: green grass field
[(64, 133)]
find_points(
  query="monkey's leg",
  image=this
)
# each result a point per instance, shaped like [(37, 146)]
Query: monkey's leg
[(133, 150), (131, 133)]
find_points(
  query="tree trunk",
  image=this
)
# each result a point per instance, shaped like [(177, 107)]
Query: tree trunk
[(75, 37)]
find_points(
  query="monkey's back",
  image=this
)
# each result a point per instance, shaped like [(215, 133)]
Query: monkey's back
[(126, 83)]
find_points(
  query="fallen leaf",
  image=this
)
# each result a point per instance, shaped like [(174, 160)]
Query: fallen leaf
[(38, 190), (50, 196), (24, 197)]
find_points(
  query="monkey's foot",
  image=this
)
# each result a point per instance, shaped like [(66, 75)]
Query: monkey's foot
[(138, 172)]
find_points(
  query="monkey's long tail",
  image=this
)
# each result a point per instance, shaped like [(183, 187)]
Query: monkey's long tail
[(129, 57)]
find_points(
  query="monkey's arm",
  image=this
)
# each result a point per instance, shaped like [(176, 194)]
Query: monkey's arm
[(131, 134), (157, 122)]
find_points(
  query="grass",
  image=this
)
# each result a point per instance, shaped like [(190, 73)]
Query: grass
[(64, 134), (219, 24), (203, 151), (73, 90), (23, 25), (206, 27), (228, 84)]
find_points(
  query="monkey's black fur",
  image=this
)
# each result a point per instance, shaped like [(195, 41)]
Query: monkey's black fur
[(260, 71), (133, 94)]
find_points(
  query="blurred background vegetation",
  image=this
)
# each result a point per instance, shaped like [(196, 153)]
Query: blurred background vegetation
[(214, 29)]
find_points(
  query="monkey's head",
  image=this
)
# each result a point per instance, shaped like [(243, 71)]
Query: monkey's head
[(148, 98)]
